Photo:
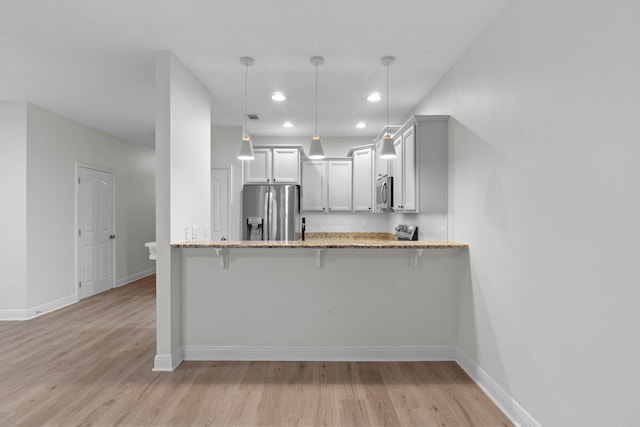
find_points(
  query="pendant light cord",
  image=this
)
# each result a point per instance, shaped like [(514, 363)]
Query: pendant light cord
[(316, 99), (246, 73), (387, 66)]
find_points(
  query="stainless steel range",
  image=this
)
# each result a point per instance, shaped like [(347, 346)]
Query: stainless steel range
[(407, 232)]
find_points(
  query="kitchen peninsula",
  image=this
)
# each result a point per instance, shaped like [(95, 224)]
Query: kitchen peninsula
[(334, 296)]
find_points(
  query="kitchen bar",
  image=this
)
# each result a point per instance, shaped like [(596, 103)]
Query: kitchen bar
[(366, 297)]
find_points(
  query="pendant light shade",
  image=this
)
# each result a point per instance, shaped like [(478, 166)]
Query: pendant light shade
[(315, 150), (246, 147), (388, 150)]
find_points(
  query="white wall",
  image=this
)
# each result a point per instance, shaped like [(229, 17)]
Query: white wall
[(544, 185), (183, 194), (55, 144), (13, 215)]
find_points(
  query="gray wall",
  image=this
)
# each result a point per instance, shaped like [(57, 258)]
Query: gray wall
[(45, 194), (13, 215), (544, 178)]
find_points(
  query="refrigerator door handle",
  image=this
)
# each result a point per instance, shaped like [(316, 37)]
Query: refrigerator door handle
[(273, 217), (267, 217)]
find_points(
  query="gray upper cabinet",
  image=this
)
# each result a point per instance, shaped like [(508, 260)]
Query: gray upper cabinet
[(363, 179), (314, 186), (339, 193), (273, 164), (432, 154), (403, 170), (258, 170), (326, 185), (420, 169), (286, 165)]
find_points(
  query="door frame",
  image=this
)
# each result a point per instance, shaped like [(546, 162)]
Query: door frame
[(76, 185), (228, 169)]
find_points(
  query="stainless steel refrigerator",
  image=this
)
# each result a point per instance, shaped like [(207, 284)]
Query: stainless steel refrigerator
[(271, 212)]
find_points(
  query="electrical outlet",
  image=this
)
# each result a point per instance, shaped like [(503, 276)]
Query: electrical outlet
[(205, 232), (187, 233), (328, 311), (195, 232)]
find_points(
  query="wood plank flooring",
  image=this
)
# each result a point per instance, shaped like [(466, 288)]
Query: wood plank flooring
[(90, 364)]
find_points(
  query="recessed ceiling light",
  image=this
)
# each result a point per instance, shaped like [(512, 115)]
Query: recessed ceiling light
[(374, 97), (361, 125), (287, 125), (278, 96)]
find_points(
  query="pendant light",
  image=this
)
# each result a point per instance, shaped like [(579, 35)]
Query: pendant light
[(388, 150), (315, 150), (246, 147)]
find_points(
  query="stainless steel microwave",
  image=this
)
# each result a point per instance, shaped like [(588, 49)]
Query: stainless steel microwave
[(384, 193)]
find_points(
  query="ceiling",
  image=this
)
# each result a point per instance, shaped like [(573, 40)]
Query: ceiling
[(93, 61)]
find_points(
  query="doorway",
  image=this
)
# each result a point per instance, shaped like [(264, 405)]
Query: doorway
[(95, 227), (220, 204)]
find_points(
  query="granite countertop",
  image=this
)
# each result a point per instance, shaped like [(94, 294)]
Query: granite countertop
[(318, 240)]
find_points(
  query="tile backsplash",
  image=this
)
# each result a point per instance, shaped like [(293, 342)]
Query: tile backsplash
[(430, 226), (346, 221)]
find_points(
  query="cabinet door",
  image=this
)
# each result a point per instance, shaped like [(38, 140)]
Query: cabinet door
[(286, 165), (339, 189), (363, 180), (258, 169), (382, 165), (409, 168), (313, 187), (397, 171)]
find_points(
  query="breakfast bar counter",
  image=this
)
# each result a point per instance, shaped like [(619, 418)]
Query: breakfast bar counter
[(333, 296), (319, 240)]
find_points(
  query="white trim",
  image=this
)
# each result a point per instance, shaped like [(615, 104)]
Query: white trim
[(322, 353), (136, 276), (507, 404), (34, 312), (167, 362)]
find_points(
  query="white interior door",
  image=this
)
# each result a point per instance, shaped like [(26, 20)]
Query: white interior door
[(219, 204), (95, 231)]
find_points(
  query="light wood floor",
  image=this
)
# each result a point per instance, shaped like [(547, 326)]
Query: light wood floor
[(90, 364)]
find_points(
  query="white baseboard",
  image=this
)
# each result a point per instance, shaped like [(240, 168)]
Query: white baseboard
[(133, 277), (321, 353), (31, 313), (500, 397), (167, 362), (45, 308)]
